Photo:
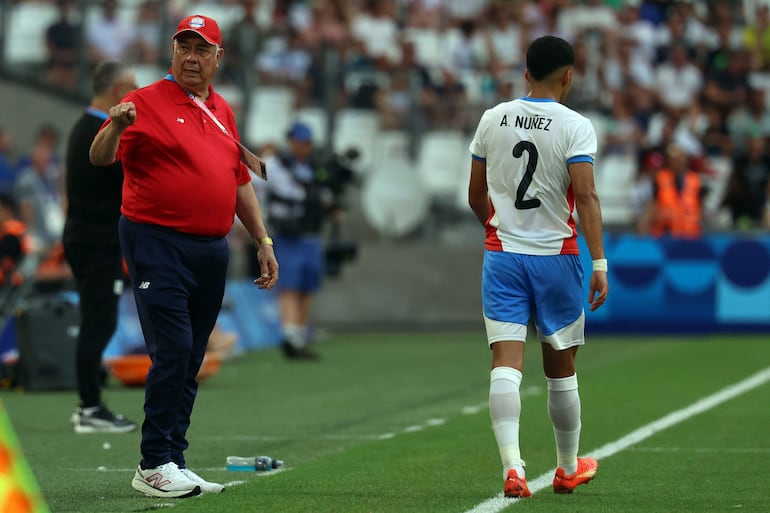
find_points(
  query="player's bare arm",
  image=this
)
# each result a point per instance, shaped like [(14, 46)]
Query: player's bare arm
[(590, 214), (478, 197), (105, 145)]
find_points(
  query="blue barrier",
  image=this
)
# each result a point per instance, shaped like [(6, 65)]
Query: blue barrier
[(720, 283)]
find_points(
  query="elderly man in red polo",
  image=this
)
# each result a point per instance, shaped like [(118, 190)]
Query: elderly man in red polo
[(184, 183)]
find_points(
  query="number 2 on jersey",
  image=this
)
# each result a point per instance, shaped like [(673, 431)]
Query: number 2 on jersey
[(526, 181)]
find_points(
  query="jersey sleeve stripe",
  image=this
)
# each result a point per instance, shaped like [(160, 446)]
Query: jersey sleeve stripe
[(580, 158), (476, 157)]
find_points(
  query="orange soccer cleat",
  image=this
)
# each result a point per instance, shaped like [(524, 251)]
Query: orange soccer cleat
[(516, 486), (586, 470)]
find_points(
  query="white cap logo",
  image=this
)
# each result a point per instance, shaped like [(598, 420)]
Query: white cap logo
[(197, 22)]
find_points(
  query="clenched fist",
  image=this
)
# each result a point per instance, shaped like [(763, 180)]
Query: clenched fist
[(123, 114)]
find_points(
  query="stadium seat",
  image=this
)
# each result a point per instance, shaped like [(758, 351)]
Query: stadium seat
[(394, 201), (615, 176), (392, 145), (461, 190), (357, 78), (318, 121), (233, 95), (473, 82), (146, 74), (600, 124), (428, 43), (270, 114), (127, 10), (441, 162), (25, 39), (357, 128), (226, 14)]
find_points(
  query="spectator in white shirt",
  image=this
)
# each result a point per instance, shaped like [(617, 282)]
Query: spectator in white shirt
[(376, 33), (109, 37), (678, 81)]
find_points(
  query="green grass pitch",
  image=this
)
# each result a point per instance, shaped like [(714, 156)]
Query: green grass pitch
[(398, 423)]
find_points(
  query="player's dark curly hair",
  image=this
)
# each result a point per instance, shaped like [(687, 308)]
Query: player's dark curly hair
[(546, 54)]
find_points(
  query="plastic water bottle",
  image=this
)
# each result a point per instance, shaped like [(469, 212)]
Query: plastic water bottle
[(251, 464)]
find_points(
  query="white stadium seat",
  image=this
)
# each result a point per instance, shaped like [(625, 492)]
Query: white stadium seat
[(146, 74), (392, 145), (357, 128), (393, 199), (270, 115), (226, 15), (615, 176), (27, 25), (429, 45), (442, 161)]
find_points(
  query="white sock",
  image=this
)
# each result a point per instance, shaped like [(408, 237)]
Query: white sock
[(505, 410), (295, 334), (564, 410)]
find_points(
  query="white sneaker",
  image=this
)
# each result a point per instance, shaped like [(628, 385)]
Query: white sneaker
[(166, 481), (206, 486)]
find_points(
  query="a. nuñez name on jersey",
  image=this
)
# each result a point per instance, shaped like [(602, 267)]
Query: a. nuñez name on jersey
[(529, 122)]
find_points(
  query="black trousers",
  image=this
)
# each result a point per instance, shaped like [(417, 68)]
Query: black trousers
[(178, 282), (96, 268)]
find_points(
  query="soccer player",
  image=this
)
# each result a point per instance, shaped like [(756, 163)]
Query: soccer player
[(532, 163)]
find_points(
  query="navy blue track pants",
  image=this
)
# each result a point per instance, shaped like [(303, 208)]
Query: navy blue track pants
[(178, 282)]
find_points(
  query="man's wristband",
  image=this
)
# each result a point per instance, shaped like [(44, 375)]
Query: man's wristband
[(264, 241), (600, 264)]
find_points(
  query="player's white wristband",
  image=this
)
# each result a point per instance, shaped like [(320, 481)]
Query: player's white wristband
[(600, 264)]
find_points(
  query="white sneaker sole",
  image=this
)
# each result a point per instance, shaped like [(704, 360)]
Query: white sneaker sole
[(209, 487), (85, 429), (140, 486), (206, 486)]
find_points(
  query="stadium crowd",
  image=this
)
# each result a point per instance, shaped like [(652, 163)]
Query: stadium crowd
[(651, 75)]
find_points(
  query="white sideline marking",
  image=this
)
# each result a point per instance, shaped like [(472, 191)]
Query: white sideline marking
[(498, 502), (414, 428), (705, 450)]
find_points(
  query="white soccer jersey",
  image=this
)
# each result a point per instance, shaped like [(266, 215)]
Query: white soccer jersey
[(527, 144)]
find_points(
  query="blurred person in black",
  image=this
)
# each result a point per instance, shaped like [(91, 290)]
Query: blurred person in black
[(746, 193), (92, 248), (302, 194), (62, 38)]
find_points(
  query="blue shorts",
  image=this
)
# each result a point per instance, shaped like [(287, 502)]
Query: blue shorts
[(300, 262), (516, 287)]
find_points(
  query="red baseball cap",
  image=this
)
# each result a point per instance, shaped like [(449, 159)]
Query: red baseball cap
[(204, 26)]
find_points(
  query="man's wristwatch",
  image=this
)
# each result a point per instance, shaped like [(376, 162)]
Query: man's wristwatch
[(264, 241)]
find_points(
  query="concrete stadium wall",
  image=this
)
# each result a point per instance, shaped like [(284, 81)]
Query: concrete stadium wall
[(23, 109), (402, 285)]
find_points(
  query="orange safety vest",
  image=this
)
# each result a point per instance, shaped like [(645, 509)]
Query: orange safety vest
[(16, 228), (7, 264), (678, 213)]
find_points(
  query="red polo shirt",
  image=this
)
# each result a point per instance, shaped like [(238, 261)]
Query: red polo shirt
[(180, 170)]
